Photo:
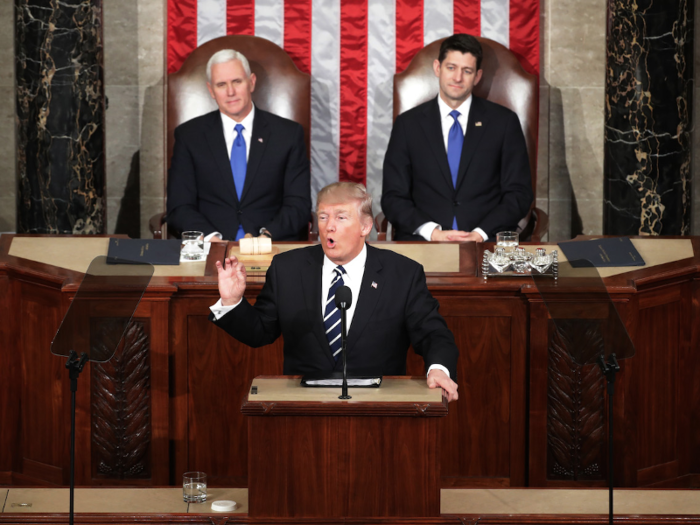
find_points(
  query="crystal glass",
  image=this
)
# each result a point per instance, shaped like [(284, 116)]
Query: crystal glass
[(192, 246), (194, 487), (509, 240)]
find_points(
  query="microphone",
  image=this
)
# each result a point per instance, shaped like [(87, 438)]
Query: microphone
[(343, 298), (343, 301)]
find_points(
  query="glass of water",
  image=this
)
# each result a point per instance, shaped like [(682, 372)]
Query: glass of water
[(509, 240), (192, 246), (194, 487)]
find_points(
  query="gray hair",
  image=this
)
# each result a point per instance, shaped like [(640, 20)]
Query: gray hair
[(227, 55)]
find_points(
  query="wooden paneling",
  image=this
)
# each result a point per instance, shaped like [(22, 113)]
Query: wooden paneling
[(11, 384), (343, 466), (218, 373), (498, 434), (44, 385), (657, 363)]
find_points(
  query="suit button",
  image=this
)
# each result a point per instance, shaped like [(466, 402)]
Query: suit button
[(240, 212), (456, 203)]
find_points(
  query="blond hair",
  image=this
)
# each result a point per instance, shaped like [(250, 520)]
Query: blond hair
[(342, 192)]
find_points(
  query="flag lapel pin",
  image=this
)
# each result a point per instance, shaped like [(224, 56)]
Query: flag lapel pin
[(478, 124), (374, 285), (260, 138)]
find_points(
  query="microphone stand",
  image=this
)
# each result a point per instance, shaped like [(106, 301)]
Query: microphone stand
[(74, 365), (343, 338)]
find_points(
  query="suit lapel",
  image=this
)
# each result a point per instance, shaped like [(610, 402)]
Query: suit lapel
[(472, 137), (430, 123), (258, 143), (311, 277), (370, 291), (215, 138)]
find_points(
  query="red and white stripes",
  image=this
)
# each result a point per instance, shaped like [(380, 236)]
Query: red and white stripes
[(352, 48)]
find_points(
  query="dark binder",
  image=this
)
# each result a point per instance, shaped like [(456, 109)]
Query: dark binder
[(612, 251), (136, 251), (335, 379)]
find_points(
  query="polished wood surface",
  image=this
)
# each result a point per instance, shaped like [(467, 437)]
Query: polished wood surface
[(499, 433), (338, 459)]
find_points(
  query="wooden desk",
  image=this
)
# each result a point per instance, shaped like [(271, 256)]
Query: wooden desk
[(185, 404)]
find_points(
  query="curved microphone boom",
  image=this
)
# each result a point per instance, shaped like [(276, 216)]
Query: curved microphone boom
[(343, 301)]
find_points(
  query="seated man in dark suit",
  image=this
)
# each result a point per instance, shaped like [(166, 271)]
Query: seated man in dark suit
[(240, 169), (442, 184), (391, 308)]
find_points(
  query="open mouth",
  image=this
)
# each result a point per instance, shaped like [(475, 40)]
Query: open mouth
[(330, 242)]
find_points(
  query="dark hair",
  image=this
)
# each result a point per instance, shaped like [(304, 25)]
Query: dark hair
[(464, 44)]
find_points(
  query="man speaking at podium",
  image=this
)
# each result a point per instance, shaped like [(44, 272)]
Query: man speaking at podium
[(391, 307)]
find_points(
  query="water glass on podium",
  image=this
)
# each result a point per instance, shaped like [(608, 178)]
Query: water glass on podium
[(509, 240), (192, 246), (194, 487)]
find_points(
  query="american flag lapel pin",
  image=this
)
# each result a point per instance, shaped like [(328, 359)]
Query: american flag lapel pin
[(478, 124), (374, 285), (260, 138)]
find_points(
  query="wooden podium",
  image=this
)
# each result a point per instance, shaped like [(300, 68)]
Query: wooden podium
[(312, 455)]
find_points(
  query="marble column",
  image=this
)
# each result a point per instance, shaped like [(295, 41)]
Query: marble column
[(60, 116), (648, 117)]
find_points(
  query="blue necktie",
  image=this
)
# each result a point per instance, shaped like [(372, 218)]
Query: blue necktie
[(239, 165), (331, 315), (455, 140)]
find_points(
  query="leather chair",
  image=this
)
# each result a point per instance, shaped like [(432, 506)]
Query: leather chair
[(280, 89), (503, 81)]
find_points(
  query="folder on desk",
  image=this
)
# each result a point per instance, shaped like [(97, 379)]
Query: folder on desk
[(135, 251), (336, 379), (611, 251)]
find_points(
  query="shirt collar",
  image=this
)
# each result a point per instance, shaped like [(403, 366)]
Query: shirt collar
[(247, 122), (357, 264), (445, 109)]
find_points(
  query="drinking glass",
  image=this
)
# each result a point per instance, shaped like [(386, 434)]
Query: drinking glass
[(509, 240), (194, 487), (192, 246)]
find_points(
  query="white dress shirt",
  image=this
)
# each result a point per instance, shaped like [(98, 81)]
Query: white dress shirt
[(446, 122), (230, 134), (354, 271)]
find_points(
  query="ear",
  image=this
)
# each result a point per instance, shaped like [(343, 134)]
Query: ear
[(366, 226), (211, 91), (252, 82), (478, 76), (436, 67)]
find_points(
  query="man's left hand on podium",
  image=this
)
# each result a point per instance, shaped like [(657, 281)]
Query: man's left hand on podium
[(438, 378)]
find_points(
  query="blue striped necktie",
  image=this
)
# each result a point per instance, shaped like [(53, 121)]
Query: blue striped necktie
[(455, 140), (331, 315), (239, 164)]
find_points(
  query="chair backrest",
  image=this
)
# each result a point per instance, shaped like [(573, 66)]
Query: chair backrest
[(280, 87), (504, 81)]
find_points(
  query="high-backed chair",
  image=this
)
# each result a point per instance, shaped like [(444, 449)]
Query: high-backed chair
[(280, 89), (503, 81)]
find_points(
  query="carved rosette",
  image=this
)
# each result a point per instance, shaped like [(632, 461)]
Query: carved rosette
[(121, 403), (575, 402)]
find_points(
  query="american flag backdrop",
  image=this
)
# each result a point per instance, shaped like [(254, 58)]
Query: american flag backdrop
[(352, 49)]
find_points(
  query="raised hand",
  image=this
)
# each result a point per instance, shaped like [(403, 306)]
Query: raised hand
[(232, 278)]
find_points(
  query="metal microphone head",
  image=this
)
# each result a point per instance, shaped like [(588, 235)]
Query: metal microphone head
[(343, 297)]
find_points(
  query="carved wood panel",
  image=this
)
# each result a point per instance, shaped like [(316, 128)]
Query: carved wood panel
[(121, 402), (576, 434)]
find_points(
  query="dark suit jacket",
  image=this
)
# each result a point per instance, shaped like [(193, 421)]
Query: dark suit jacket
[(397, 312), (276, 194), (494, 189)]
